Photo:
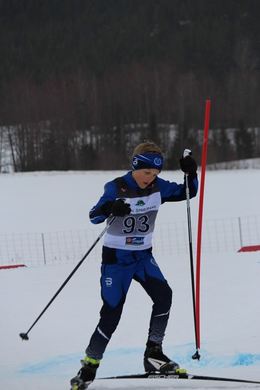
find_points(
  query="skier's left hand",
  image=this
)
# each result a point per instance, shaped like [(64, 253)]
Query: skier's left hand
[(187, 163)]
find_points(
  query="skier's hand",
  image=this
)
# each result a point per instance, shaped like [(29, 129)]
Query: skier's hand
[(120, 208), (187, 163)]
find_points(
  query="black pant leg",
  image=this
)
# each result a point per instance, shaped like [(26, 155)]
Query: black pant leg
[(109, 319), (161, 295)]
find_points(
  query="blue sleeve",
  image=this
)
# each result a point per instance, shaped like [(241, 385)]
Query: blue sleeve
[(98, 214), (173, 192)]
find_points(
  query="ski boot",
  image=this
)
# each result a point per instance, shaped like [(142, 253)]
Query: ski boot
[(86, 374), (156, 361)]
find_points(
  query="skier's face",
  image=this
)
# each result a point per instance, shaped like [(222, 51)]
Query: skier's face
[(144, 177)]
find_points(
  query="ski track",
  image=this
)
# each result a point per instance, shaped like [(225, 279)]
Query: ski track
[(121, 356), (59, 368)]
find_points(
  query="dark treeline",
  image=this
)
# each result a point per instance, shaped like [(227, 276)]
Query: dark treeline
[(83, 81)]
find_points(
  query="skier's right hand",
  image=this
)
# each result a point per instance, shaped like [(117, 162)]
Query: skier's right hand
[(120, 208)]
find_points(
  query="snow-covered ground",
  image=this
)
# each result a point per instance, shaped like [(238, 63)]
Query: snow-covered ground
[(230, 288)]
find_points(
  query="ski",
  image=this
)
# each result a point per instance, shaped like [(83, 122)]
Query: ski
[(181, 375)]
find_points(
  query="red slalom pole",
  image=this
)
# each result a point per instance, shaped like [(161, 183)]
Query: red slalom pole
[(200, 215)]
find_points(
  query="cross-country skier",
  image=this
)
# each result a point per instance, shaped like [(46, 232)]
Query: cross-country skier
[(134, 199)]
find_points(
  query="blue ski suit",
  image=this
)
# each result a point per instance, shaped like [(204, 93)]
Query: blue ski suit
[(127, 255)]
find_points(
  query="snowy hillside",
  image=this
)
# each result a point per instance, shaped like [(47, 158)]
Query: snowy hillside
[(230, 311)]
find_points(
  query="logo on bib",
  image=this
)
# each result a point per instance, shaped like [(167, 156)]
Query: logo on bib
[(134, 240), (140, 203)]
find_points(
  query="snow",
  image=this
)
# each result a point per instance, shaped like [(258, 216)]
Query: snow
[(230, 310)]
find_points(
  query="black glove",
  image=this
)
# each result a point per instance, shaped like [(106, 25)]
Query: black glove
[(187, 163), (120, 208), (106, 208), (117, 207)]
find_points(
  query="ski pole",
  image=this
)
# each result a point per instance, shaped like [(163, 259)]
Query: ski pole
[(24, 336), (196, 354)]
